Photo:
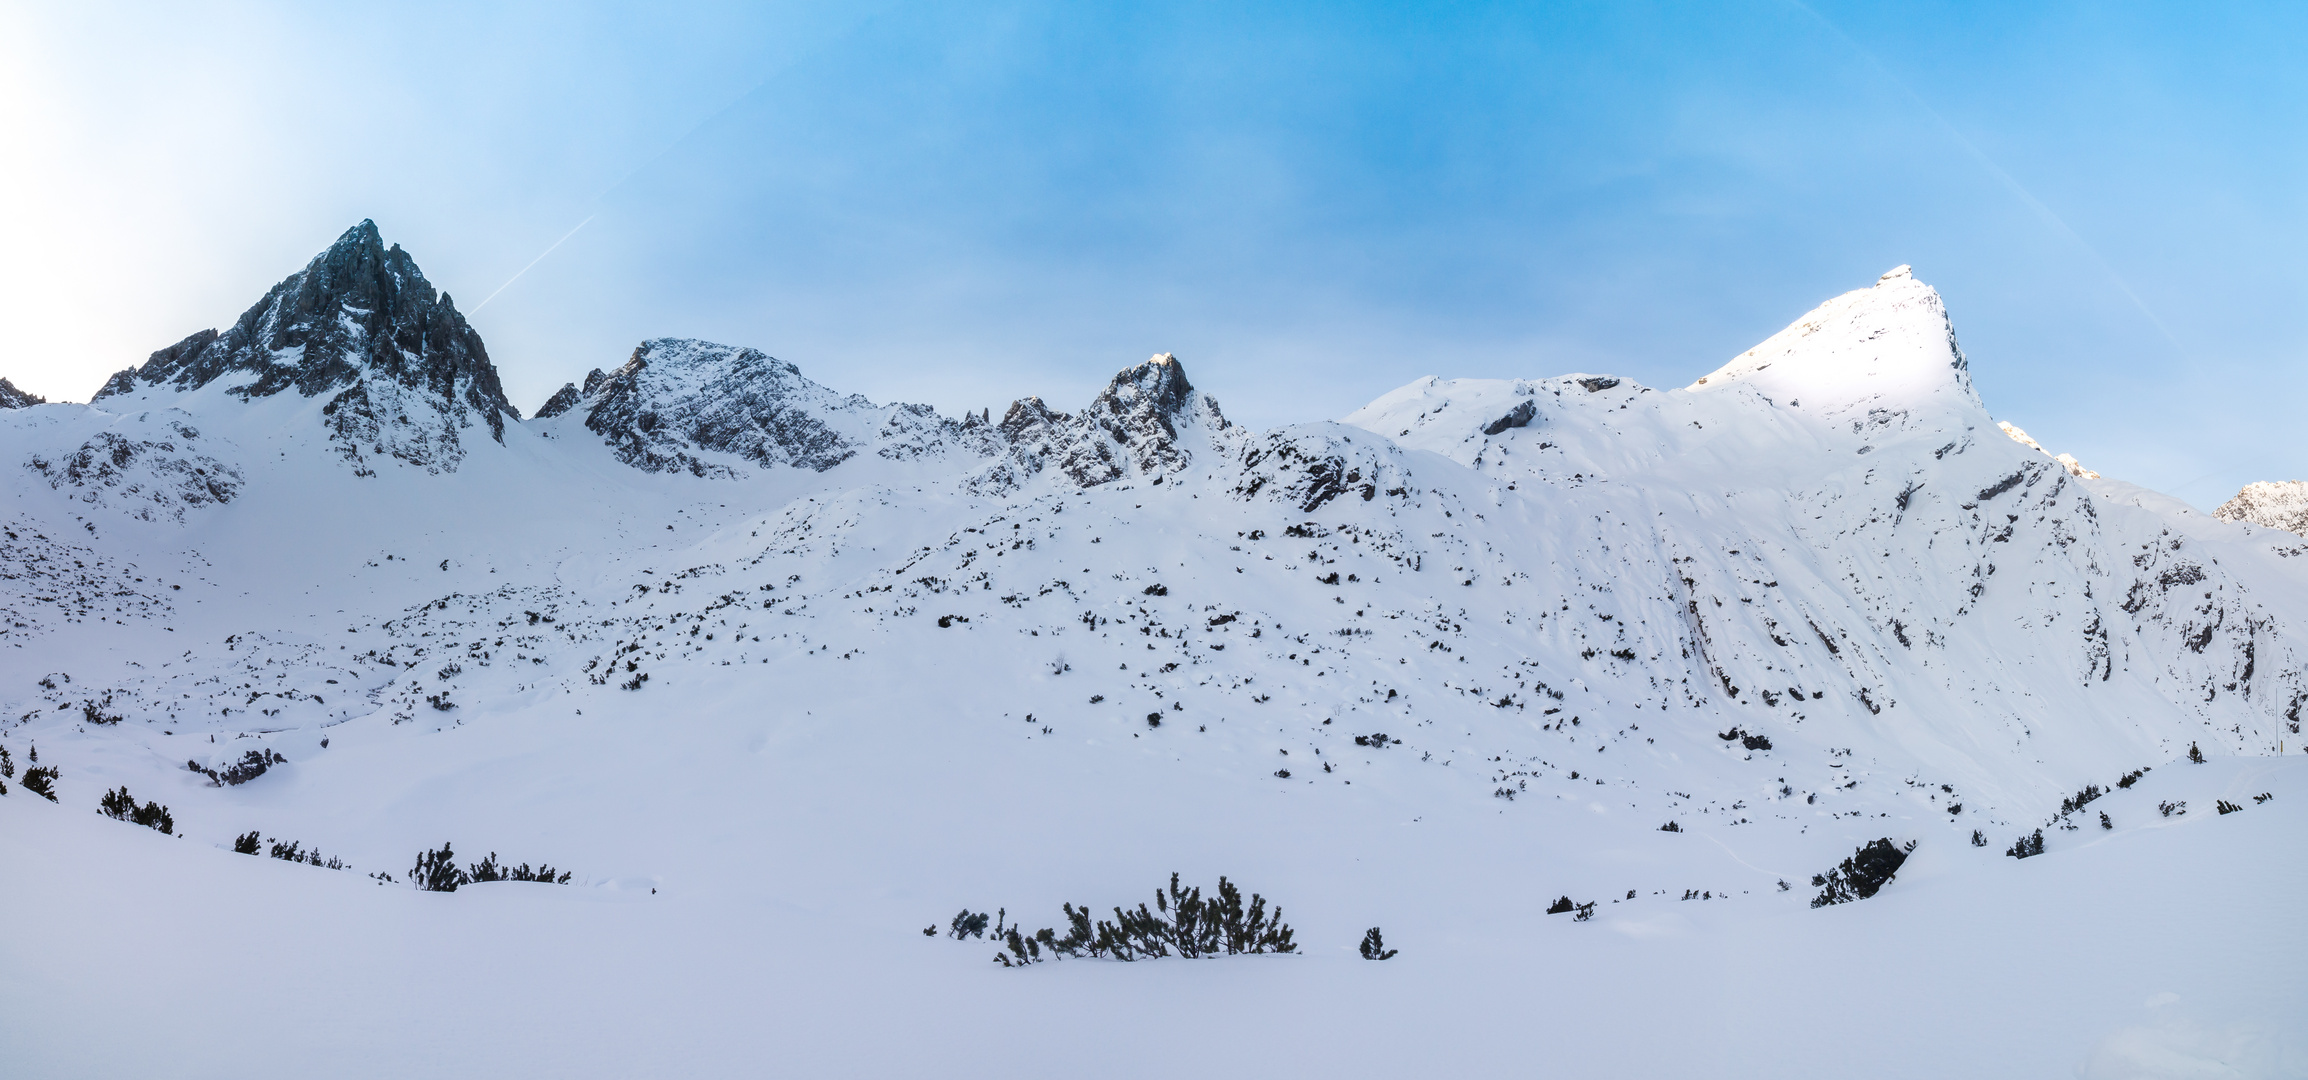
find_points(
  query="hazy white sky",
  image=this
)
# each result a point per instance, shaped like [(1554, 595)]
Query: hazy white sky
[(1309, 205)]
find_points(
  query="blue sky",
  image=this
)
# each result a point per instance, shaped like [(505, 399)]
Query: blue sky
[(1308, 204)]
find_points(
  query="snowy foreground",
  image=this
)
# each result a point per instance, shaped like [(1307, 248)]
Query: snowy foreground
[(782, 678)]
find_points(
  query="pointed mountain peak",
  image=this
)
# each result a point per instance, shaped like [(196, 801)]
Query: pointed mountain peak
[(1159, 385), (403, 371), (1148, 422), (1889, 348), (363, 235)]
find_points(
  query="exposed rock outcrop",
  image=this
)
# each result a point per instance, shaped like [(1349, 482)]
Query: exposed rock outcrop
[(2277, 504), (681, 405), (149, 479), (12, 398), (1147, 423)]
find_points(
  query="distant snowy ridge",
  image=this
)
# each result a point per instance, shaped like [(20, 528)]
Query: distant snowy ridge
[(710, 410), (2067, 461), (2277, 504)]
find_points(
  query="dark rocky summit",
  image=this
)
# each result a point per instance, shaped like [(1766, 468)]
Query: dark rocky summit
[(12, 398), (1139, 426), (405, 373)]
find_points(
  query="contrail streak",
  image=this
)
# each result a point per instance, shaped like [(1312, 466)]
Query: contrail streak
[(1997, 171), (540, 258)]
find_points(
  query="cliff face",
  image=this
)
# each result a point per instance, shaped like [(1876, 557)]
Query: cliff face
[(406, 377)]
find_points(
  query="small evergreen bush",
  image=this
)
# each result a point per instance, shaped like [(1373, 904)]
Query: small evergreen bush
[(121, 806), (437, 871), (1862, 874), (41, 780), (968, 925), (2027, 846), (490, 869), (2080, 799), (250, 766), (1374, 946), (246, 843), (1182, 922)]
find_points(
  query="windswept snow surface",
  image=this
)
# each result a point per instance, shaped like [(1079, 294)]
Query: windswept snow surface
[(786, 677)]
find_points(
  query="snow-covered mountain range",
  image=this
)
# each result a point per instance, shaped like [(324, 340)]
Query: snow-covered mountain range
[(1813, 599)]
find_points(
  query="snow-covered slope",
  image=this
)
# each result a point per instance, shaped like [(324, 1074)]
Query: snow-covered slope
[(745, 652)]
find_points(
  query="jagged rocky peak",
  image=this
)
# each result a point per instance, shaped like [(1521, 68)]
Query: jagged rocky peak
[(1147, 422), (570, 395), (2277, 504), (12, 398), (681, 405), (1872, 357), (404, 372)]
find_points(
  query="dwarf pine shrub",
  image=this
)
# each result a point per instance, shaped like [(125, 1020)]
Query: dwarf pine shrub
[(490, 869), (41, 780), (1182, 922), (250, 766), (119, 805), (1863, 872), (1374, 946), (437, 871)]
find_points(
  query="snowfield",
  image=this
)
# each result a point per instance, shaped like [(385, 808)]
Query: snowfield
[(783, 678)]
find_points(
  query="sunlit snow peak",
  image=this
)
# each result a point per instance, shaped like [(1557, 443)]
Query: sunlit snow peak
[(1867, 352)]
